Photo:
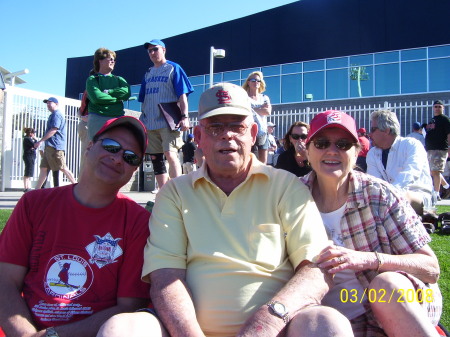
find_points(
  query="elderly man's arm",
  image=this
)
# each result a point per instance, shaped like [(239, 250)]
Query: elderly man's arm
[(15, 316), (172, 300), (306, 288)]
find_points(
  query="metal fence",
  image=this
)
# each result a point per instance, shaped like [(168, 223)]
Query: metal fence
[(407, 114), (25, 108)]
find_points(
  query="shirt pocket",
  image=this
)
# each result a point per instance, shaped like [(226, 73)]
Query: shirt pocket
[(267, 245)]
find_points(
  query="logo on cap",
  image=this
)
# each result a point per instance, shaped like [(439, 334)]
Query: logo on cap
[(223, 96), (334, 117)]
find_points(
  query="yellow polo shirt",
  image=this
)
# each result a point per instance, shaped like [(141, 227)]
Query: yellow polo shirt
[(238, 250)]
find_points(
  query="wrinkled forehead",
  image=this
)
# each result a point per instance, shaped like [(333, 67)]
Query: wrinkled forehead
[(226, 119)]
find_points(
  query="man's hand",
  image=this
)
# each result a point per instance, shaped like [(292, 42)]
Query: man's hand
[(184, 124)]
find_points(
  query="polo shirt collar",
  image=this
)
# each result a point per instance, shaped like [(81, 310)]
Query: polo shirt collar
[(256, 168)]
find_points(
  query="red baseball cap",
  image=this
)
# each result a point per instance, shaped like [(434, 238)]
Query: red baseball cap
[(362, 130), (140, 132), (332, 119)]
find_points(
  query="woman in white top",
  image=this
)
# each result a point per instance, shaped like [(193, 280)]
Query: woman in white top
[(380, 250), (255, 86)]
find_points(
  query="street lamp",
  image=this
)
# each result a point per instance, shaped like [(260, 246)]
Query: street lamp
[(12, 76), (218, 53)]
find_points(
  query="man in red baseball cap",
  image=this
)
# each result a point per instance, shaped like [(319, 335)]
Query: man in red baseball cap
[(71, 257)]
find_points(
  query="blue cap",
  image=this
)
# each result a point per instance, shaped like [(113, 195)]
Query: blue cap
[(154, 42), (51, 99), (417, 126), (190, 136)]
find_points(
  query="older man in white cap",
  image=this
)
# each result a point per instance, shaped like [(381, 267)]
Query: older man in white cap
[(224, 259)]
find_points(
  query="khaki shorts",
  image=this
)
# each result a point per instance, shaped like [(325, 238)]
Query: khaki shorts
[(53, 159), (367, 325), (437, 159), (95, 123), (164, 140)]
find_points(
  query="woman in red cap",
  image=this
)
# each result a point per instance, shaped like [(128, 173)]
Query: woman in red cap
[(380, 253)]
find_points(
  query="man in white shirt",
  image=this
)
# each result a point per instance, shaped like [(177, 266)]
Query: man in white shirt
[(399, 160)]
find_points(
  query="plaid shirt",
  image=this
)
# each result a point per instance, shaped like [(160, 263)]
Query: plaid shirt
[(377, 218)]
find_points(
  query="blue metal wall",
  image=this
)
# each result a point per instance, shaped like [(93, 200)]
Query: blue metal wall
[(304, 30)]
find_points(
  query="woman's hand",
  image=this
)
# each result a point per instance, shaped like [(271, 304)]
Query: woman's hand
[(335, 258), (300, 148)]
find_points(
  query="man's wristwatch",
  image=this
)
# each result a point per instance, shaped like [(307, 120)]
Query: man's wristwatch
[(51, 332), (183, 116), (278, 309)]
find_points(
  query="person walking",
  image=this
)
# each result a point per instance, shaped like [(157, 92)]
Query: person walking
[(29, 157), (55, 144), (437, 143)]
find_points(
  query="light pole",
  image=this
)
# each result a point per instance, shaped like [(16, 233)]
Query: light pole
[(220, 54), (12, 76)]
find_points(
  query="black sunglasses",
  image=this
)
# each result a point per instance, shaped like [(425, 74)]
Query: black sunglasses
[(152, 49), (297, 137), (112, 146), (341, 144), (254, 80)]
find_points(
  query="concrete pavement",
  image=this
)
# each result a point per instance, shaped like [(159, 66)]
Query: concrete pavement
[(8, 199)]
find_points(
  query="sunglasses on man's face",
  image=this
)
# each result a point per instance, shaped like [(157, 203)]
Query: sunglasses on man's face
[(112, 146), (341, 144), (254, 80), (155, 49), (297, 137)]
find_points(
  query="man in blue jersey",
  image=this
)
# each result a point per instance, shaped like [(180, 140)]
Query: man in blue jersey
[(164, 82)]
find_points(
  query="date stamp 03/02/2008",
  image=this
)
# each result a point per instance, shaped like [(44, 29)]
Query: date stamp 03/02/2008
[(383, 296)]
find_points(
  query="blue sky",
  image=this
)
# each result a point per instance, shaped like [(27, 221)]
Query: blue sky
[(41, 35)]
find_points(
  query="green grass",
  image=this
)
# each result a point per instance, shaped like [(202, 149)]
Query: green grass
[(440, 245), (4, 216)]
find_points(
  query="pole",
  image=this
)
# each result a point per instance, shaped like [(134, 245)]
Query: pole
[(211, 66)]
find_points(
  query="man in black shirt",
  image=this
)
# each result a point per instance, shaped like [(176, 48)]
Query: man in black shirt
[(437, 142), (188, 150)]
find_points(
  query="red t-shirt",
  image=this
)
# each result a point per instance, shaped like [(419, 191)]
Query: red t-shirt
[(80, 259)]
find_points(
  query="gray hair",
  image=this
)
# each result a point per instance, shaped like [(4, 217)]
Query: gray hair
[(386, 120)]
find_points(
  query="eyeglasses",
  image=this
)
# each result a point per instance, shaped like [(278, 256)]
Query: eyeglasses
[(112, 146), (217, 129), (341, 144), (254, 80), (373, 129), (297, 137), (111, 59), (155, 49)]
